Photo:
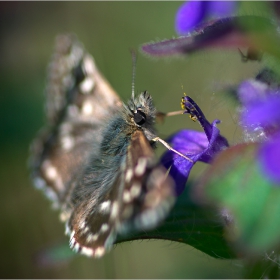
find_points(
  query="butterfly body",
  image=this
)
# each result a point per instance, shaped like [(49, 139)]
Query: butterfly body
[(95, 159)]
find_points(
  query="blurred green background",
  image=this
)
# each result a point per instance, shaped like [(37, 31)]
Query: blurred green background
[(108, 31)]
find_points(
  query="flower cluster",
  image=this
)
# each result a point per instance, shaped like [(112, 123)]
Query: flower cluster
[(260, 98)]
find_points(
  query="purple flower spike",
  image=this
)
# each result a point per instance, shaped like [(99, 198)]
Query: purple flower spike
[(260, 119), (192, 13), (198, 146), (263, 113), (251, 90), (261, 106)]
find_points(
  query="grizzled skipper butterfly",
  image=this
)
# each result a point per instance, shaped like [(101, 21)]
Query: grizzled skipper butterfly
[(95, 158)]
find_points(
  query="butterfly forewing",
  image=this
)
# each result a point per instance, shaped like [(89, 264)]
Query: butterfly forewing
[(79, 100), (74, 81)]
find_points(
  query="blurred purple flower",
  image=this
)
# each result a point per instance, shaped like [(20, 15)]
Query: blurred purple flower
[(260, 119), (192, 13), (199, 146)]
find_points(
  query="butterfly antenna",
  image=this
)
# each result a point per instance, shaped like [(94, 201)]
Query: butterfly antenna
[(134, 57)]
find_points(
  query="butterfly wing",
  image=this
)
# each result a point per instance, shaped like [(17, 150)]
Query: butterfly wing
[(100, 195), (79, 99), (139, 198)]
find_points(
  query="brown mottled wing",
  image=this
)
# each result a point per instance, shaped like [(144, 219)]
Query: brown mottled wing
[(140, 198), (79, 99), (151, 200)]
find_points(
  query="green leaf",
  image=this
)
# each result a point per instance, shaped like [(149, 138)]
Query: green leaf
[(235, 181), (263, 267), (190, 224)]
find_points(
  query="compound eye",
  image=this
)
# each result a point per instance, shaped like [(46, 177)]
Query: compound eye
[(139, 117)]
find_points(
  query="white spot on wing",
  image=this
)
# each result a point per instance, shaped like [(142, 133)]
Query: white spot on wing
[(72, 234), (114, 210), (89, 65), (50, 170), (126, 196), (92, 237), (85, 230), (76, 248), (99, 252), (105, 206), (82, 224), (87, 251), (72, 241), (64, 215), (67, 143), (104, 228), (87, 85), (135, 189), (141, 166), (52, 175), (87, 108), (128, 175)]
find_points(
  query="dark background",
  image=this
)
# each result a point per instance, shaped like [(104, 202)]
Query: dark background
[(108, 31)]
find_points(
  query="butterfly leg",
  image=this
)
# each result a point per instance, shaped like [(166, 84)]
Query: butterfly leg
[(157, 139)]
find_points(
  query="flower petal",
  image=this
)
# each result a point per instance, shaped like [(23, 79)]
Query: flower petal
[(251, 90), (179, 169), (193, 13), (189, 142), (197, 147), (222, 8), (262, 113), (189, 15)]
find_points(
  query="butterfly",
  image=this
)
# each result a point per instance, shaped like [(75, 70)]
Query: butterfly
[(95, 157)]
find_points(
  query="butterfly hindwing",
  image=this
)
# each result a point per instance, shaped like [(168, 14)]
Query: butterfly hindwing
[(140, 197)]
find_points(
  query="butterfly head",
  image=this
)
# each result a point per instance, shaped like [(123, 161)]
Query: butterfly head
[(142, 110), (140, 113)]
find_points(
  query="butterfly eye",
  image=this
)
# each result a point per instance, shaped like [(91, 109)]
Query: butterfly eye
[(139, 117)]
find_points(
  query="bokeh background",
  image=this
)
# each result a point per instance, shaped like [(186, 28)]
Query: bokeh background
[(108, 30)]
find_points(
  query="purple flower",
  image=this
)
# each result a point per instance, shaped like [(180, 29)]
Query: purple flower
[(198, 146), (260, 119), (192, 13)]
